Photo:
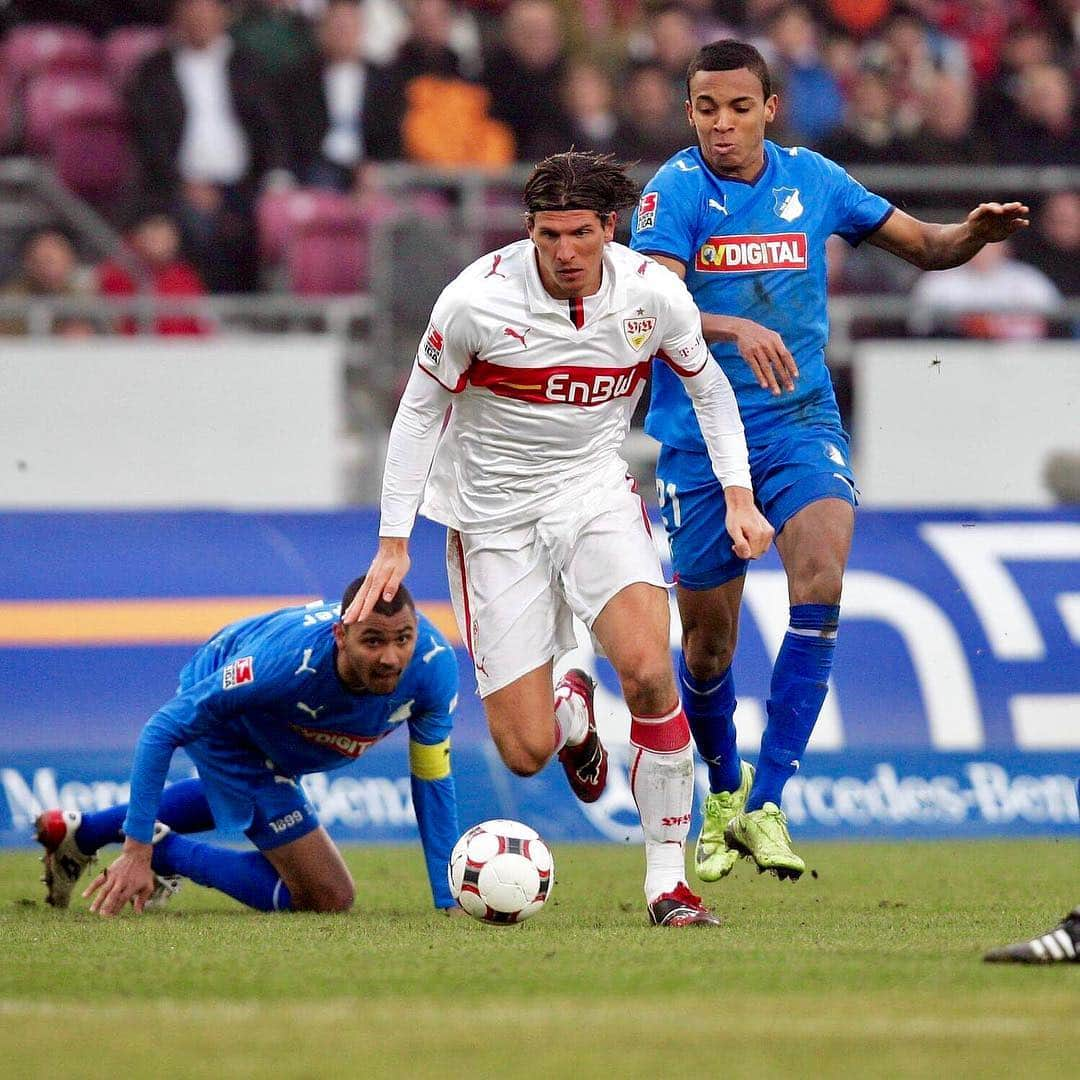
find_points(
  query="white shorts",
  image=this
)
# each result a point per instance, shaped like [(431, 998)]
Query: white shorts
[(515, 590)]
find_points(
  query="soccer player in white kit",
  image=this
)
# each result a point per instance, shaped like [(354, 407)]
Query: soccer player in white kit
[(541, 351)]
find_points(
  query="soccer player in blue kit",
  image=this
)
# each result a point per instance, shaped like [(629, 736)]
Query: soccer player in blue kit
[(744, 222), (265, 701)]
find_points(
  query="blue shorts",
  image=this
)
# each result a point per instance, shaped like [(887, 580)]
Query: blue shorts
[(247, 792), (789, 472)]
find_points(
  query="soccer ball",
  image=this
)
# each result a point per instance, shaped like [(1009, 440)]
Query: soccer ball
[(501, 871)]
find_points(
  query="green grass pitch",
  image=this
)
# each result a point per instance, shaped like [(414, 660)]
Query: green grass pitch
[(869, 968)]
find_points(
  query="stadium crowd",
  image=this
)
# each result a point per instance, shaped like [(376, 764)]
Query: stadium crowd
[(202, 128)]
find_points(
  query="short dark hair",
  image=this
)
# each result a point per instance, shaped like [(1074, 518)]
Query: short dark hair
[(730, 55), (580, 180), (402, 598)]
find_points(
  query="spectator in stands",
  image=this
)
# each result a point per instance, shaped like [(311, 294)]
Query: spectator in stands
[(812, 100), (592, 121), (868, 135), (947, 135), (524, 71), (991, 296), (430, 48), (208, 134), (672, 45), (654, 128), (1045, 132), (1028, 42), (49, 267), (154, 241), (277, 31), (343, 111), (1053, 242)]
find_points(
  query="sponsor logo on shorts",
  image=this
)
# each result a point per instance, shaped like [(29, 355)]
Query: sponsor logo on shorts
[(433, 345), (345, 743), (646, 211), (745, 254), (238, 672)]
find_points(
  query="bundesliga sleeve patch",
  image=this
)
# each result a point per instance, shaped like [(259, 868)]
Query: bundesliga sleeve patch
[(433, 346), (646, 211), (238, 672)]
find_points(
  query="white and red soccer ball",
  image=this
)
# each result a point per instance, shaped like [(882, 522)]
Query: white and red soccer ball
[(500, 871)]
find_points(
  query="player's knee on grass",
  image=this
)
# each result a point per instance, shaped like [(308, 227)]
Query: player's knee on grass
[(334, 895)]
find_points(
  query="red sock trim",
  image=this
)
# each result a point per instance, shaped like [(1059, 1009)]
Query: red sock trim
[(667, 735)]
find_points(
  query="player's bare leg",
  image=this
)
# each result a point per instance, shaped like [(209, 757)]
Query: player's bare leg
[(814, 547), (634, 629), (314, 873), (710, 627), (521, 721)]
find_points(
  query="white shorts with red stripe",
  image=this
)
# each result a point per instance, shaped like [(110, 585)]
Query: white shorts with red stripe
[(515, 590)]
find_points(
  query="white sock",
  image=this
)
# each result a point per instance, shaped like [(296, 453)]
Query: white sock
[(571, 718), (662, 782)]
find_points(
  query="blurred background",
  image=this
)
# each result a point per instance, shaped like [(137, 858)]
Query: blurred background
[(223, 225)]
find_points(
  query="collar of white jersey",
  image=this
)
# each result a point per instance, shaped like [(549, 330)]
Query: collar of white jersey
[(611, 294)]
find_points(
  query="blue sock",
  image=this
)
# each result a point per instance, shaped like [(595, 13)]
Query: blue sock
[(247, 876), (183, 808), (709, 705), (800, 681)]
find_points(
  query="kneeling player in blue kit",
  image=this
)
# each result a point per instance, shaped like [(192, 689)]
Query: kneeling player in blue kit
[(265, 701)]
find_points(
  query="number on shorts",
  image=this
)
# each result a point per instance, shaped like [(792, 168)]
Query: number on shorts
[(669, 493)]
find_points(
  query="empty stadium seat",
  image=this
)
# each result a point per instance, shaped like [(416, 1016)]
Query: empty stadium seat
[(41, 47), (78, 122)]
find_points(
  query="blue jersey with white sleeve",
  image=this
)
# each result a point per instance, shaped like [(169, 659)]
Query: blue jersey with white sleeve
[(755, 250), (264, 693)]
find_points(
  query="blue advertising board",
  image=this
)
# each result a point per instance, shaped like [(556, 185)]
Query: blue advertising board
[(954, 709)]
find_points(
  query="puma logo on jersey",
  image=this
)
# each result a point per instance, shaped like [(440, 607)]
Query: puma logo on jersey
[(313, 713), (305, 664), (683, 167), (402, 712), (434, 651), (511, 332), (715, 204), (495, 271)]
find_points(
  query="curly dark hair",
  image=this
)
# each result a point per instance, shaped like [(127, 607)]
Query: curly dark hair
[(730, 55), (580, 180)]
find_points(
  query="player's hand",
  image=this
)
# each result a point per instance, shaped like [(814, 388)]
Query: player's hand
[(765, 353), (387, 571), (750, 532), (128, 879), (991, 222)]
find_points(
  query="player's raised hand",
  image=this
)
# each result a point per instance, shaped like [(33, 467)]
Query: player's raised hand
[(992, 221), (386, 573), (750, 531), (130, 878)]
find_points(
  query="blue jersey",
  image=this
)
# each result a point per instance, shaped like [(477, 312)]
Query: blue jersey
[(756, 251), (267, 687)]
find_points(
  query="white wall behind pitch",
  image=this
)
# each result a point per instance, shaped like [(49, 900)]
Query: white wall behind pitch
[(232, 422), (962, 423)]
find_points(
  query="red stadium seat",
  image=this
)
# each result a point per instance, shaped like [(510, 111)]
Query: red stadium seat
[(52, 99), (41, 47), (125, 49), (78, 122)]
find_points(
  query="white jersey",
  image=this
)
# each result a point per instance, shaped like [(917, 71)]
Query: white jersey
[(542, 391)]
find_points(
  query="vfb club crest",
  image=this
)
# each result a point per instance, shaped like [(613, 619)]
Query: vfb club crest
[(638, 330)]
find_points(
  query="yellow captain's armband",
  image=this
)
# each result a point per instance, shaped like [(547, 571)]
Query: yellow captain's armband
[(429, 762)]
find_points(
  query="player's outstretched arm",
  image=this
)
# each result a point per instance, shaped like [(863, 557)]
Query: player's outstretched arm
[(750, 531), (383, 578), (129, 878), (939, 247)]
